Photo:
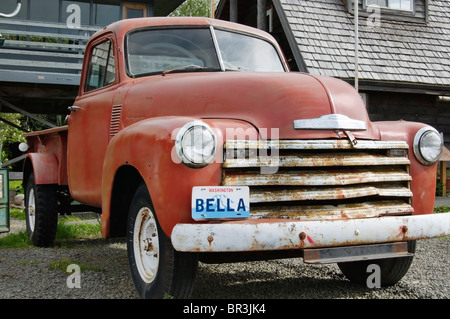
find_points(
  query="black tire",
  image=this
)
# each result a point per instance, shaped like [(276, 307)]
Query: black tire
[(392, 270), (41, 213), (157, 270)]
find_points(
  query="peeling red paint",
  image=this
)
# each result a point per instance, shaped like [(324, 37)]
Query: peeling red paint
[(310, 240)]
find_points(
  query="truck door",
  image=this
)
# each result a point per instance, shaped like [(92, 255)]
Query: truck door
[(89, 123)]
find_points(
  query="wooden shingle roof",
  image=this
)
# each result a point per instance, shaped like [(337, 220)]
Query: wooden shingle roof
[(394, 51)]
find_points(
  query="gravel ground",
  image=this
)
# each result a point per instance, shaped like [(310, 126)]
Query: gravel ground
[(28, 273)]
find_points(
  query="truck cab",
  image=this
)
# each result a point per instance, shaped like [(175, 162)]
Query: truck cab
[(192, 139)]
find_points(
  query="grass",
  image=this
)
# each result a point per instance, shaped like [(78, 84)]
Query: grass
[(17, 213), (18, 240), (69, 229), (62, 265)]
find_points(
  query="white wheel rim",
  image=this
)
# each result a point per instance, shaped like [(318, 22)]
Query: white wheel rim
[(31, 209), (146, 244)]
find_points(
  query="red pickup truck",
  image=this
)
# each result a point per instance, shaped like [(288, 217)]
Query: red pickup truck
[(191, 137)]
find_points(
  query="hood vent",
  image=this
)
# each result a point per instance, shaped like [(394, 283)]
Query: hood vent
[(115, 120)]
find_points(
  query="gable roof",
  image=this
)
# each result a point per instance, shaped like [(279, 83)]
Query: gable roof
[(395, 51)]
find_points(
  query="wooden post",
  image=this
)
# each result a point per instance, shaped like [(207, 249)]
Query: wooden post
[(233, 11), (261, 15), (445, 157)]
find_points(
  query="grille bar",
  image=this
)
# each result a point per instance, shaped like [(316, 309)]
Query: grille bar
[(266, 195), (314, 144), (321, 179), (313, 212), (316, 160), (316, 178)]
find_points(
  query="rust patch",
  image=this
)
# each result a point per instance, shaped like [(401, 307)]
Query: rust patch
[(404, 231), (210, 240), (302, 237)]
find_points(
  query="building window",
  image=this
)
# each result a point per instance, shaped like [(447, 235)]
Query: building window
[(105, 14), (134, 10), (406, 5)]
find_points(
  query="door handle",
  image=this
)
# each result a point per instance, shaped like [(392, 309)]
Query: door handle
[(73, 108)]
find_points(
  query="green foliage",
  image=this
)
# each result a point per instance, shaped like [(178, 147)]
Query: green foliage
[(194, 8), (439, 186), (9, 134), (17, 186), (441, 209), (168, 296)]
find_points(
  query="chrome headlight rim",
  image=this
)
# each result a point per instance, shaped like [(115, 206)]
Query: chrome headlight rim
[(419, 151), (180, 144)]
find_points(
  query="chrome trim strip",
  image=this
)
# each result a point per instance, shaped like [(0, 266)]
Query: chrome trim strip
[(330, 122)]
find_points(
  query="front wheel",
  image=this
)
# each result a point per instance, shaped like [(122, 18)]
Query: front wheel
[(157, 270), (41, 213), (391, 269)]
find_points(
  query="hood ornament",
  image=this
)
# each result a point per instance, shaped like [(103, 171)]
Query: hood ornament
[(330, 122)]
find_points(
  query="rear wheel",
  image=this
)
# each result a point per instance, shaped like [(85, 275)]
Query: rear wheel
[(392, 270), (41, 213), (157, 270)]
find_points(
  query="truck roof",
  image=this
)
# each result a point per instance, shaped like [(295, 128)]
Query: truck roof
[(121, 27)]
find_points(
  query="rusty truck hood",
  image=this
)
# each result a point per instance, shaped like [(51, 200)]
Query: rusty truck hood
[(266, 100)]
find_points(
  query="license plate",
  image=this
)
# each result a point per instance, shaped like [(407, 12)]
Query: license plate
[(209, 202)]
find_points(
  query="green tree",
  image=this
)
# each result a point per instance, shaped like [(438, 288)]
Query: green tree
[(10, 134), (194, 8)]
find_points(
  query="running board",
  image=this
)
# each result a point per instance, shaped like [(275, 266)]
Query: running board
[(355, 253)]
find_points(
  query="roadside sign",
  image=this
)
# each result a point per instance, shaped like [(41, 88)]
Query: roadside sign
[(4, 200)]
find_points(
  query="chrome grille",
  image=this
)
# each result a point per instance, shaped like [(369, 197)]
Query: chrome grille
[(320, 179)]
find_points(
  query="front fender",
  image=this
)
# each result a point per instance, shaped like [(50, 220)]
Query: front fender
[(423, 184), (148, 146)]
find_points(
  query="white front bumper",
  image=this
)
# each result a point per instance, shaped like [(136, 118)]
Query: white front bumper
[(260, 235)]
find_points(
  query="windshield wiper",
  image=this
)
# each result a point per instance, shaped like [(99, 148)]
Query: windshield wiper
[(190, 68)]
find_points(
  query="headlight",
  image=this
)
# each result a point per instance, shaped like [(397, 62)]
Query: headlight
[(196, 144), (428, 145)]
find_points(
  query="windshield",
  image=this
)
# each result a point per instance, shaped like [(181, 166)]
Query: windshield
[(156, 51), (244, 53)]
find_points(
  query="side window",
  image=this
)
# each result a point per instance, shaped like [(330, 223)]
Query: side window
[(101, 69)]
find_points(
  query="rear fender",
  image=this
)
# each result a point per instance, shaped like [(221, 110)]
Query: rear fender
[(44, 167)]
